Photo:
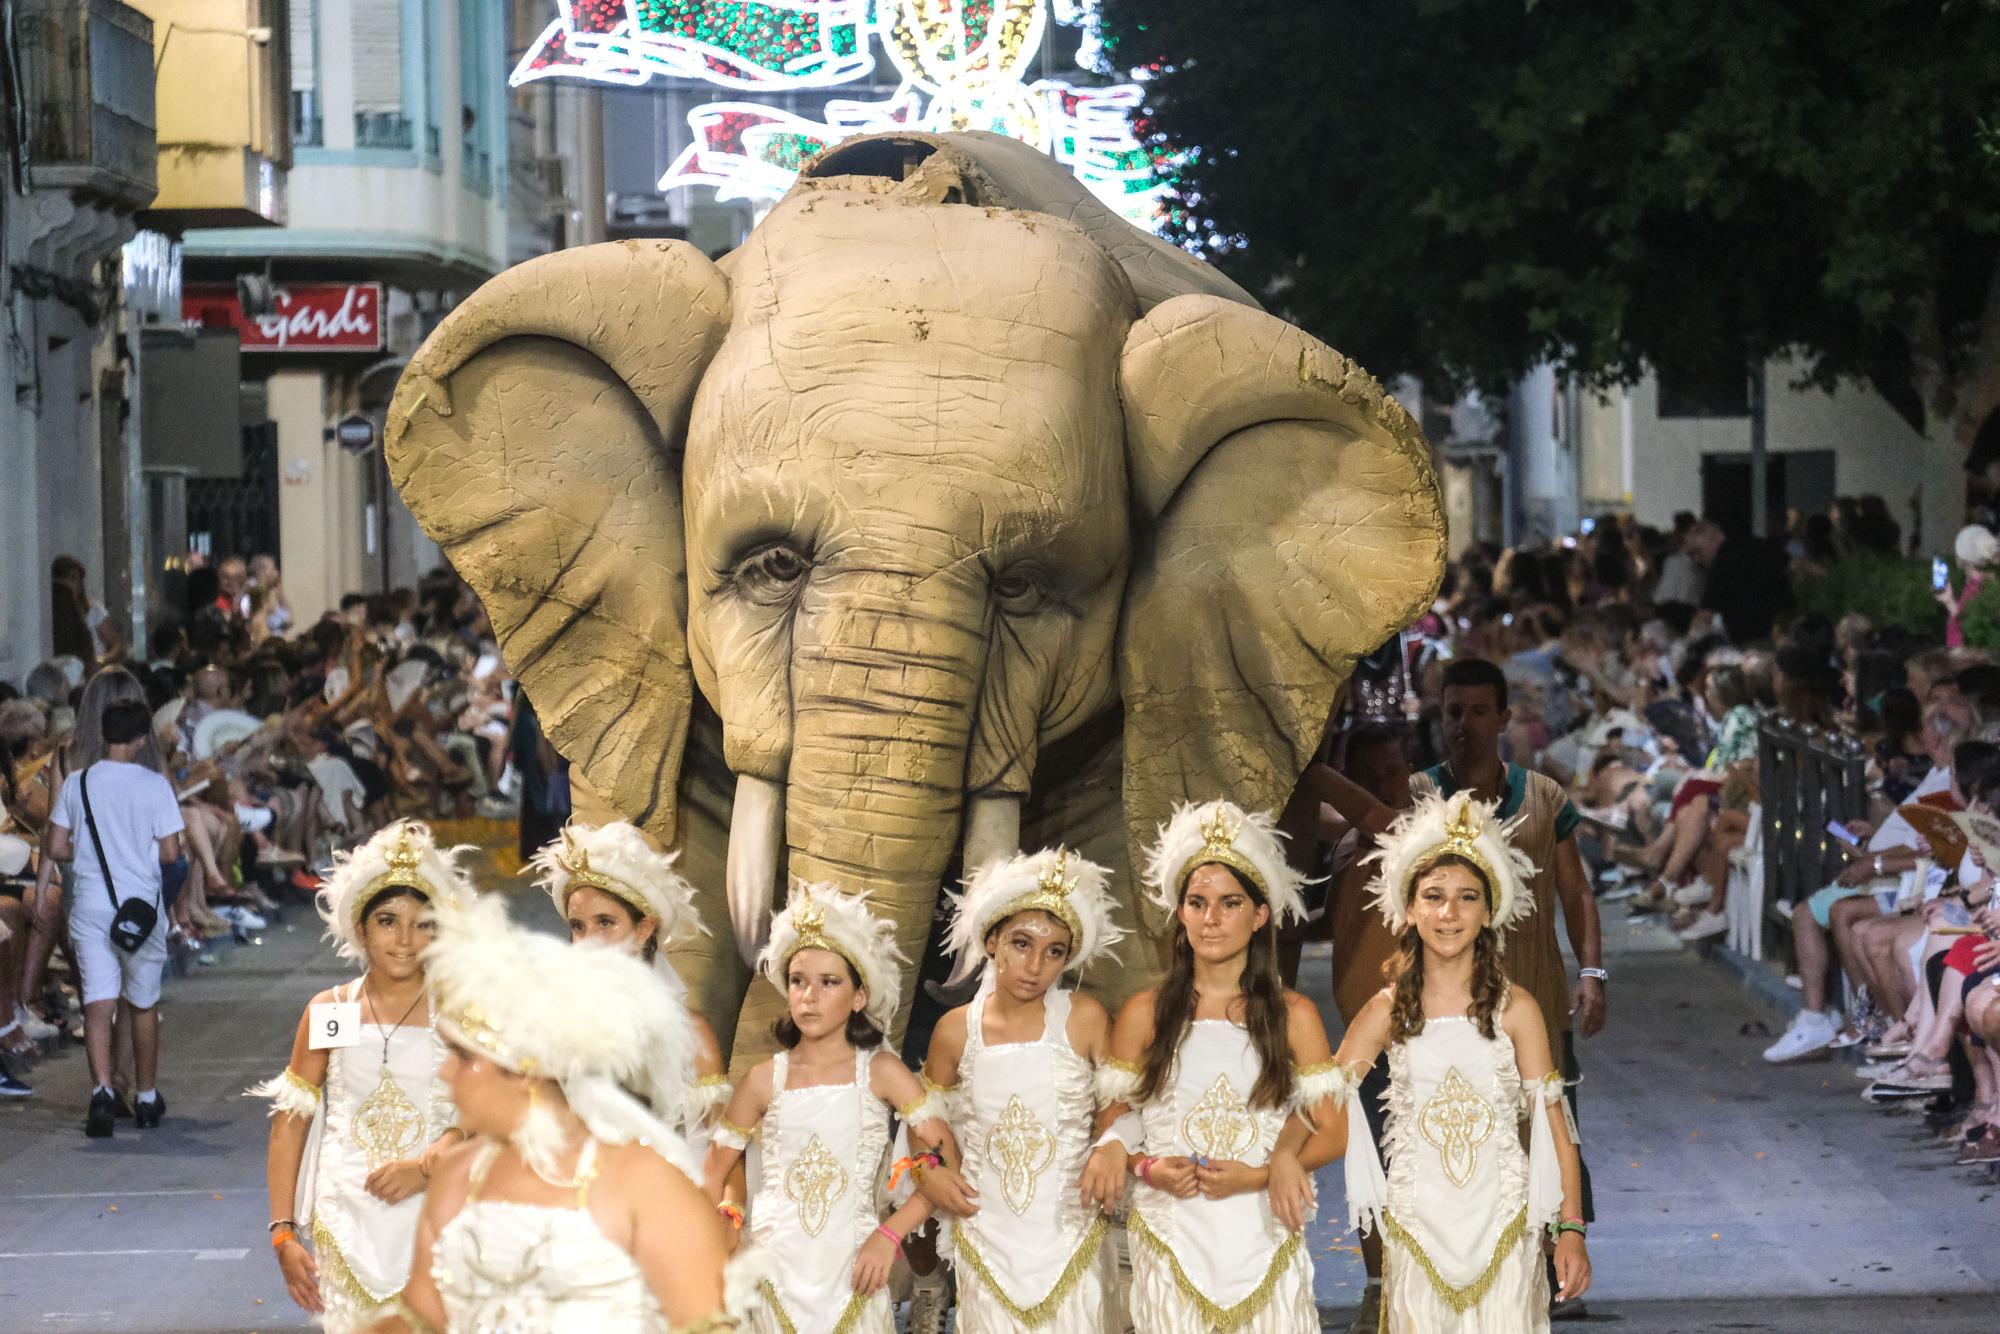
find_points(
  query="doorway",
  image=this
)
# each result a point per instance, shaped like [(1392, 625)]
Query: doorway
[(1802, 480)]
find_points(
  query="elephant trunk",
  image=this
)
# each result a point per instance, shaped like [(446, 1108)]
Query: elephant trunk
[(883, 713)]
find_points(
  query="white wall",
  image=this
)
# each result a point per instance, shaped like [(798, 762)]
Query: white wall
[(1875, 451)]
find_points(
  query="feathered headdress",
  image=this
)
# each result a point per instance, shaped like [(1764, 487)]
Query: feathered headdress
[(617, 859), (1056, 881), (595, 1020), (1224, 833), (403, 853), (826, 917), (1459, 826)]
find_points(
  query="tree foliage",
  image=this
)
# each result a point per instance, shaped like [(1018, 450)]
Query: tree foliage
[(1460, 189)]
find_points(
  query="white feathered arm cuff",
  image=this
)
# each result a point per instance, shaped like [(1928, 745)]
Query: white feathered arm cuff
[(1545, 1183), (730, 1135), (1117, 1081), (1314, 1084), (930, 1107), (707, 1098), (288, 1094), (1367, 1186)]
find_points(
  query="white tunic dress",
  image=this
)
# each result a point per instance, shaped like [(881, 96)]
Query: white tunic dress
[(1032, 1257), (816, 1202), (505, 1268), (375, 1112), (1464, 1205), (1200, 1265)]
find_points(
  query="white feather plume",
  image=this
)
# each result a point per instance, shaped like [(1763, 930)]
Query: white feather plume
[(344, 892), (1423, 831), (865, 940), (620, 852), (594, 1019), (1183, 844), (995, 892)]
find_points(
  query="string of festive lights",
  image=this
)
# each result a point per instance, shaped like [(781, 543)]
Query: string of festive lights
[(962, 64)]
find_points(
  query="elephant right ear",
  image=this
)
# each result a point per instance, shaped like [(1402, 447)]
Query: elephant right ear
[(537, 437)]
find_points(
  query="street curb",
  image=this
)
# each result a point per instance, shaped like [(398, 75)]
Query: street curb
[(1759, 979)]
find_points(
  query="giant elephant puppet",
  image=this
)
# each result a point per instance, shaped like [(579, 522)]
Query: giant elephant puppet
[(948, 514)]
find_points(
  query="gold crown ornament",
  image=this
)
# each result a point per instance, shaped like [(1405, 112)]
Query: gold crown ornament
[(1069, 888), (1222, 833), (617, 859), (400, 855), (1455, 826), (826, 917)]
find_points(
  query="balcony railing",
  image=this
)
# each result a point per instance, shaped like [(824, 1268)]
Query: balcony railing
[(87, 82), (383, 129)]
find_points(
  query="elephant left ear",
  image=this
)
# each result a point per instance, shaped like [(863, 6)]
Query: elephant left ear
[(1295, 525)]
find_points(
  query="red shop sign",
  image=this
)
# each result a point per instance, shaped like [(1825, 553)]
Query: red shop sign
[(308, 317)]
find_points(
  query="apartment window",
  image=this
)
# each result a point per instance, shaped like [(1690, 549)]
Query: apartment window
[(381, 114), (477, 73), (308, 127)]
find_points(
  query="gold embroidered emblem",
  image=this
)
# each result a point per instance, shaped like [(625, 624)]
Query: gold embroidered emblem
[(1220, 1125), (1023, 1150), (387, 1125), (1456, 1122), (816, 1179)]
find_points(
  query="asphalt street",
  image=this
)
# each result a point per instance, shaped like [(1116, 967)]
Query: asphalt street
[(1730, 1195)]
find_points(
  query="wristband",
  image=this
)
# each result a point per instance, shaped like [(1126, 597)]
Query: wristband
[(1567, 1225), (885, 1230), (281, 1236), (1597, 974), (915, 1165), (732, 1213), (1146, 1168)]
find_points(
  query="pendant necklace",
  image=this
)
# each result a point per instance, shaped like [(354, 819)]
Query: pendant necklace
[(388, 1125)]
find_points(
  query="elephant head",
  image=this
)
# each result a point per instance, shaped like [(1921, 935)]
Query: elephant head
[(939, 504)]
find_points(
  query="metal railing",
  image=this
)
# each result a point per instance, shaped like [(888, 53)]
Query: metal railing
[(1805, 778), (475, 169), (383, 129)]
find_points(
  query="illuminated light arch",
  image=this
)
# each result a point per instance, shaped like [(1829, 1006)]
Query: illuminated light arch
[(962, 64)]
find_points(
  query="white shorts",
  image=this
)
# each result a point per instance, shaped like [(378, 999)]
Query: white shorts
[(109, 973)]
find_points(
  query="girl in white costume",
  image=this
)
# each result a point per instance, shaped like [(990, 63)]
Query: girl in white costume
[(822, 1109), (1224, 1067), (1463, 1209), (612, 887), (357, 1128), (1017, 1068), (571, 1212)]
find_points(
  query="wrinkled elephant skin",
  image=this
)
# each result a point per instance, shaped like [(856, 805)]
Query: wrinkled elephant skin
[(968, 522)]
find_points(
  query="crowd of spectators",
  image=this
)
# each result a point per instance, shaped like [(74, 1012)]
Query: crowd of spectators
[(1642, 666), (276, 745)]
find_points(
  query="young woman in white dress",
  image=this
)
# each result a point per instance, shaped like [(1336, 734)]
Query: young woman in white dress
[(570, 1212), (357, 1127), (1464, 1211), (611, 887), (821, 1108), (1017, 1067), (1229, 1073)]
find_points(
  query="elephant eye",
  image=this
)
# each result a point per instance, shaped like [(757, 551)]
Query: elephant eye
[(771, 575), (1019, 590)]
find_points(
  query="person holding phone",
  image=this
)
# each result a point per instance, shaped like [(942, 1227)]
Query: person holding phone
[(1977, 550)]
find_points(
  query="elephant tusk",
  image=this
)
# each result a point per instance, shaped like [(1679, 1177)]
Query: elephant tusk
[(756, 842), (992, 831)]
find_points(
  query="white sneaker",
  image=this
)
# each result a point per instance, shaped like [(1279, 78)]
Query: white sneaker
[(33, 1027), (1703, 927), (1808, 1033), (1695, 894)]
